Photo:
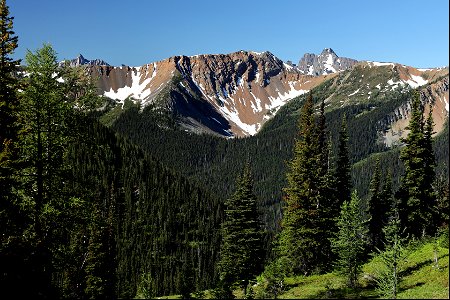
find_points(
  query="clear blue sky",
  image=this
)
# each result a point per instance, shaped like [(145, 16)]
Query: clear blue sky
[(136, 32)]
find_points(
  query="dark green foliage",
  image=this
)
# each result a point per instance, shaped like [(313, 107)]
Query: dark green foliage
[(13, 248), (342, 173), (416, 193), (164, 229), (241, 254), (351, 239), (8, 86), (45, 116), (99, 211), (303, 239), (379, 205), (392, 257)]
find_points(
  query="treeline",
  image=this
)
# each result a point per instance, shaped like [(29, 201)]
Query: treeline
[(142, 209), (214, 161)]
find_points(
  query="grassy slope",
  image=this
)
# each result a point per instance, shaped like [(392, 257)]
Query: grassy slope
[(421, 279)]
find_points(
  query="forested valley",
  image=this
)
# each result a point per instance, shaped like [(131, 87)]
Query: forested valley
[(102, 201)]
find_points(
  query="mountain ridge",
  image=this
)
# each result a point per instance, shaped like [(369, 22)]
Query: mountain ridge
[(233, 95)]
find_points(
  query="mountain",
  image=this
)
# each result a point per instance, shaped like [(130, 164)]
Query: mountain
[(227, 94), (233, 95), (325, 63), (81, 61)]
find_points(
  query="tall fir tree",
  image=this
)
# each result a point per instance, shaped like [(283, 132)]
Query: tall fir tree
[(343, 166), (379, 208), (9, 129), (416, 193), (327, 202), (241, 252), (303, 239), (42, 113), (392, 255), (14, 221), (8, 86), (48, 120), (351, 239)]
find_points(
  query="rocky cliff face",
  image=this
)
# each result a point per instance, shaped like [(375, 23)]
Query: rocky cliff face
[(235, 94), (243, 88), (434, 96), (325, 63)]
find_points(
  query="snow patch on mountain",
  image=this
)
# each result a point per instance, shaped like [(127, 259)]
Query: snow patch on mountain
[(380, 64), (416, 81), (354, 92), (136, 90)]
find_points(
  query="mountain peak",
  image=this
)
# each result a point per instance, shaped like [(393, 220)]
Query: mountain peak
[(325, 63), (80, 61), (328, 51)]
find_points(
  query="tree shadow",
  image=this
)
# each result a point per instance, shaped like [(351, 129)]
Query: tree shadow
[(347, 293), (418, 266)]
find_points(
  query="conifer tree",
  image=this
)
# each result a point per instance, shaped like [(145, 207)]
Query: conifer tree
[(387, 195), (241, 252), (392, 256), (327, 201), (343, 166), (416, 193), (42, 110), (378, 208), (47, 115), (14, 220), (304, 235), (8, 86), (351, 239)]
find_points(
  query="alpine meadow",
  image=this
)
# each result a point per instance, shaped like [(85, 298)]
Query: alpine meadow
[(221, 176)]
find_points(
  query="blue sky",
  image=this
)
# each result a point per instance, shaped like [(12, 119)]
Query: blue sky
[(136, 32)]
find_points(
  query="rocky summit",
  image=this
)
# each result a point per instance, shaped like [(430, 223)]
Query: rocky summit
[(233, 95), (325, 63), (81, 61)]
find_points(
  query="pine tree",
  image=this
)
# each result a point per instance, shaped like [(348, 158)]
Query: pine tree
[(351, 239), (416, 193), (40, 154), (378, 207), (241, 252), (388, 277), (47, 117), (300, 235), (14, 218), (8, 86), (387, 195), (343, 166), (328, 203)]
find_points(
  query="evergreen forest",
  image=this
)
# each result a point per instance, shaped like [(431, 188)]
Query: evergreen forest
[(102, 201)]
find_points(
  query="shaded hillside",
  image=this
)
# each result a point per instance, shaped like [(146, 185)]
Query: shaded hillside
[(163, 225), (215, 161)]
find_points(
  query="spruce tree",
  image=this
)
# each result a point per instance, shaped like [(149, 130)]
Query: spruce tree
[(14, 219), (343, 166), (416, 193), (47, 115), (305, 223), (241, 251), (351, 239), (392, 256), (328, 204), (378, 208), (8, 96)]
